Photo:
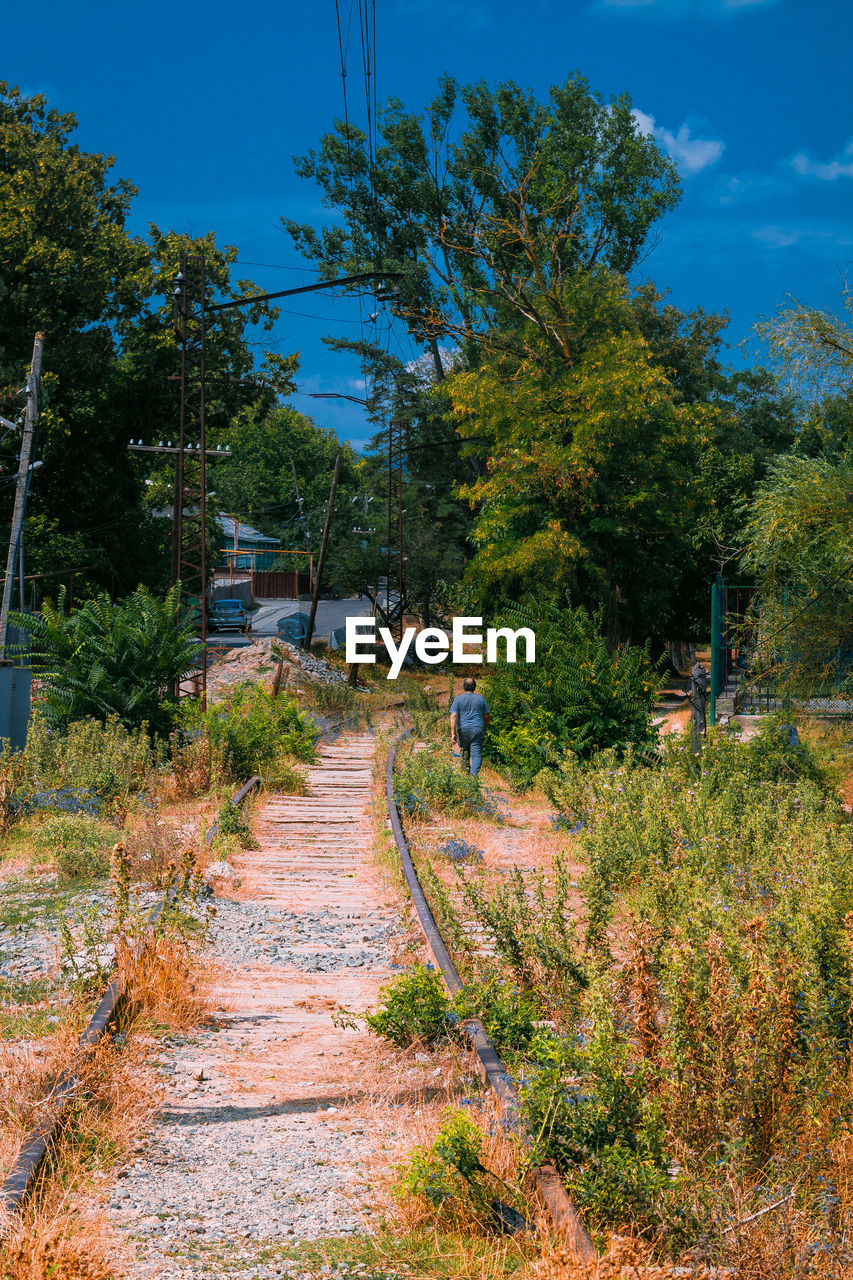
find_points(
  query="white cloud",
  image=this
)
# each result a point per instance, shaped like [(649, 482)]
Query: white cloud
[(777, 237), (814, 233), (825, 170), (692, 155), (683, 8)]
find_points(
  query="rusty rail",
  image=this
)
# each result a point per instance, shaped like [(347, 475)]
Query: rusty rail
[(20, 1179), (565, 1216)]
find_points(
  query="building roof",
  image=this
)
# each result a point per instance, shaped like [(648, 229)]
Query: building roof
[(245, 532)]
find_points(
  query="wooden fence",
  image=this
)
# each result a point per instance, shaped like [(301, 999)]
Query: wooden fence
[(280, 584)]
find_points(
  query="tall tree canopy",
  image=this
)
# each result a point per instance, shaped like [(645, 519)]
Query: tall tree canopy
[(613, 453), (589, 485), (449, 189)]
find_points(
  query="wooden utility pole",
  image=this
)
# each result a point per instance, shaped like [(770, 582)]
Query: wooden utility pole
[(321, 560), (22, 484)]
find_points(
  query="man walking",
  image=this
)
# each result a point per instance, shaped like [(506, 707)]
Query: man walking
[(469, 716)]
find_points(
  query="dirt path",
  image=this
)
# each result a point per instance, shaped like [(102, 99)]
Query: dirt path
[(276, 1122)]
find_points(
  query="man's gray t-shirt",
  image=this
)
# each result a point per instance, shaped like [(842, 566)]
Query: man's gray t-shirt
[(470, 708)]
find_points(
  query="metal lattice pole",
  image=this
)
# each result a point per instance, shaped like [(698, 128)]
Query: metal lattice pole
[(189, 529)]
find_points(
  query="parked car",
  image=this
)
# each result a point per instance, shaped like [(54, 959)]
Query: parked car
[(228, 615), (293, 629)]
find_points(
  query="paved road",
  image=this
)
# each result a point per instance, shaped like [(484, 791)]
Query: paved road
[(330, 615)]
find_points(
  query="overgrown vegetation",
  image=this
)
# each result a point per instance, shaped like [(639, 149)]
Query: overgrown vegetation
[(90, 766), (428, 782), (579, 696), (684, 1056), (78, 844), (451, 1181), (415, 1009), (254, 732)]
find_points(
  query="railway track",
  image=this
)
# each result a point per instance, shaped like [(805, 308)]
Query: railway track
[(276, 1121)]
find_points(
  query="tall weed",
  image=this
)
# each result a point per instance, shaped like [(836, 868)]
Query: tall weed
[(92, 764), (251, 731), (427, 782), (730, 991)]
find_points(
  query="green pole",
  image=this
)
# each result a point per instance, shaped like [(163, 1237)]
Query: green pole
[(715, 654)]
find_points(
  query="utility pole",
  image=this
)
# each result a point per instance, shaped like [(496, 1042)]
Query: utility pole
[(188, 556), (218, 454), (189, 551), (22, 484), (321, 560)]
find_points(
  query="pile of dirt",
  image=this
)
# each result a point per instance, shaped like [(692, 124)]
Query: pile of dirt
[(258, 662)]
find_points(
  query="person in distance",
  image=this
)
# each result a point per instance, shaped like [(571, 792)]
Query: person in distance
[(469, 719)]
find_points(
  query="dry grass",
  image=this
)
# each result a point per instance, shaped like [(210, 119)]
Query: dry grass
[(197, 768), (152, 839), (624, 1259), (58, 1236), (60, 1247), (409, 1230), (166, 983)]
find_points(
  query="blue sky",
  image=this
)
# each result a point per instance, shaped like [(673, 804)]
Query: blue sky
[(204, 104)]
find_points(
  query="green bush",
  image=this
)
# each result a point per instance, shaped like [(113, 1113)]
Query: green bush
[(110, 658), (592, 1113), (253, 730), (738, 864), (79, 844), (529, 925), (95, 760), (428, 782), (231, 821), (508, 1014), (413, 1009), (578, 696), (449, 1176)]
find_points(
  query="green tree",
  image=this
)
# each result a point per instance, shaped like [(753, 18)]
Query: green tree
[(258, 483), (443, 199), (69, 267), (590, 467), (580, 695), (799, 525), (813, 346), (799, 552), (755, 419)]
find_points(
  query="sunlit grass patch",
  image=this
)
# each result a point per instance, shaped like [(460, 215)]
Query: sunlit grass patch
[(28, 1008)]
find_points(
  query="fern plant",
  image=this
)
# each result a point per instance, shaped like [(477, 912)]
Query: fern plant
[(109, 658)]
